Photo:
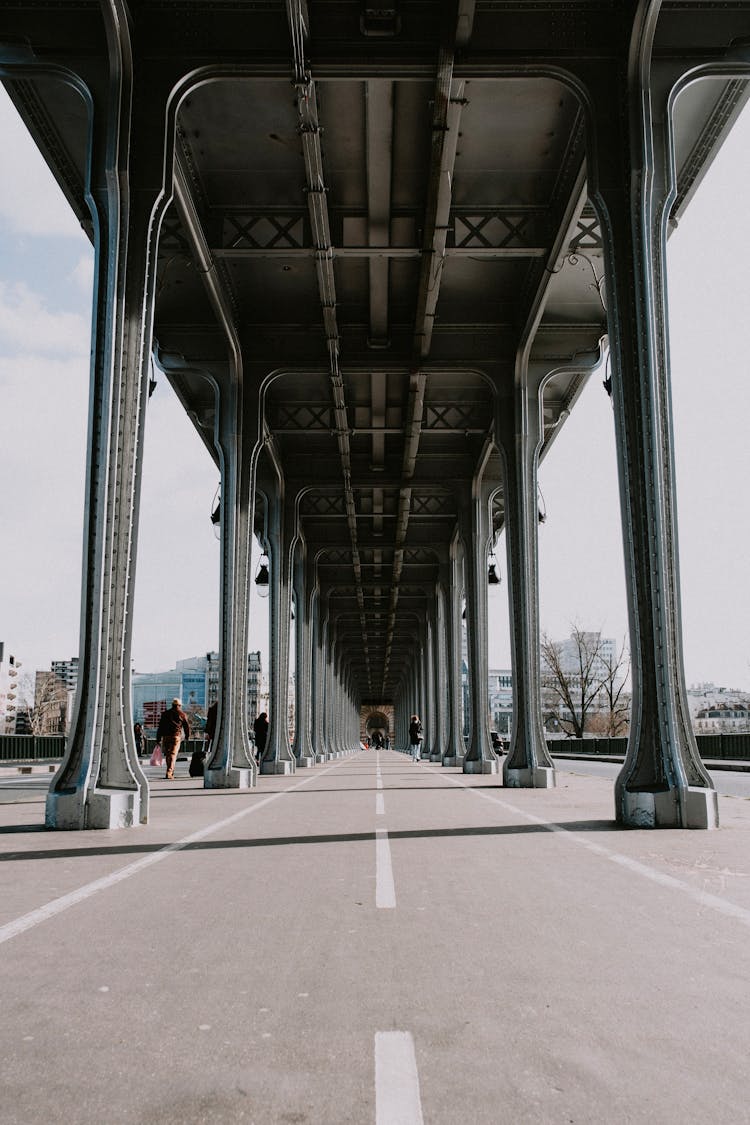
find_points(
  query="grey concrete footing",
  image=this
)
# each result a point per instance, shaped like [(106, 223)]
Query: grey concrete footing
[(689, 807), (482, 765), (304, 762), (536, 777), (232, 778), (436, 757), (282, 766), (100, 809), (450, 761), (320, 758)]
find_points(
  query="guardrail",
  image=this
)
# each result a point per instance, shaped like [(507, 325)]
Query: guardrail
[(719, 746), (51, 747), (31, 747)]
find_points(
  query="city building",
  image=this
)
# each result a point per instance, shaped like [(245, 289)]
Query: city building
[(718, 710), (9, 702), (501, 700), (255, 686), (153, 692), (52, 703), (67, 672), (195, 681)]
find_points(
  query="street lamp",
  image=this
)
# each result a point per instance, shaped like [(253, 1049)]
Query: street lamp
[(261, 576)]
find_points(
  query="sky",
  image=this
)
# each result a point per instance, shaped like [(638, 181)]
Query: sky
[(46, 271)]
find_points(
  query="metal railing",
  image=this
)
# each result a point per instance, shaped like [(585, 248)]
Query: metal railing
[(718, 746), (50, 747)]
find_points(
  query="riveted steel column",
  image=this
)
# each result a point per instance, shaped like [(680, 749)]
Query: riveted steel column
[(663, 782), (303, 596), (430, 708), (336, 695), (277, 756), (100, 783), (454, 754), (437, 746), (480, 757), (231, 764), (319, 671), (442, 697), (518, 433)]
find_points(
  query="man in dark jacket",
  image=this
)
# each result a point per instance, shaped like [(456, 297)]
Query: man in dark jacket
[(260, 727), (173, 724)]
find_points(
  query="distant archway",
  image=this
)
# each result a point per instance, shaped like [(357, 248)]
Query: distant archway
[(376, 719)]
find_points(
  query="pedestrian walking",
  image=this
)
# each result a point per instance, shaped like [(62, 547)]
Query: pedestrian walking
[(210, 731), (196, 767), (140, 739), (260, 726), (415, 738), (173, 727)]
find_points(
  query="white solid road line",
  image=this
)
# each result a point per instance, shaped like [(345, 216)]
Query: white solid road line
[(379, 804), (385, 891), (703, 898), (58, 905), (397, 1100)]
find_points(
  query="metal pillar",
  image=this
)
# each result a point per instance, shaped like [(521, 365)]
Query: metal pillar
[(480, 757), (438, 747), (231, 764), (518, 431), (100, 783), (663, 782), (277, 756), (454, 755), (303, 664)]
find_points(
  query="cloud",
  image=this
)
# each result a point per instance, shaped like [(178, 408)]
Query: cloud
[(26, 325), (31, 201), (83, 274)]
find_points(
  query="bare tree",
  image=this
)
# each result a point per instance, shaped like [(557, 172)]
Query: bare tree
[(615, 717), (582, 679)]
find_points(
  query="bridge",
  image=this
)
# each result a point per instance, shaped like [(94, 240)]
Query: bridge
[(378, 251)]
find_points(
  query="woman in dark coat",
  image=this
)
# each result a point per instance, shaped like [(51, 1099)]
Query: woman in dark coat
[(260, 726), (415, 738)]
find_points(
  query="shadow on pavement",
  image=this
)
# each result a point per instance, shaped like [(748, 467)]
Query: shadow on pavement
[(333, 838)]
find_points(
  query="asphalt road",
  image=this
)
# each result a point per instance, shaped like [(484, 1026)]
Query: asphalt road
[(727, 782), (375, 942), (15, 788)]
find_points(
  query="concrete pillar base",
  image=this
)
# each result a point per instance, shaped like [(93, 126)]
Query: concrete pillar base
[(305, 763), (319, 759), (283, 766), (691, 807), (448, 761), (539, 777), (233, 778), (484, 765), (436, 757), (100, 809)]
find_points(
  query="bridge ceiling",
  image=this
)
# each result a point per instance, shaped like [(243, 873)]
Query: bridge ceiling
[(390, 215)]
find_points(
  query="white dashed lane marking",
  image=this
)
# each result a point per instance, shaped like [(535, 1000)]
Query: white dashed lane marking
[(397, 1098)]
